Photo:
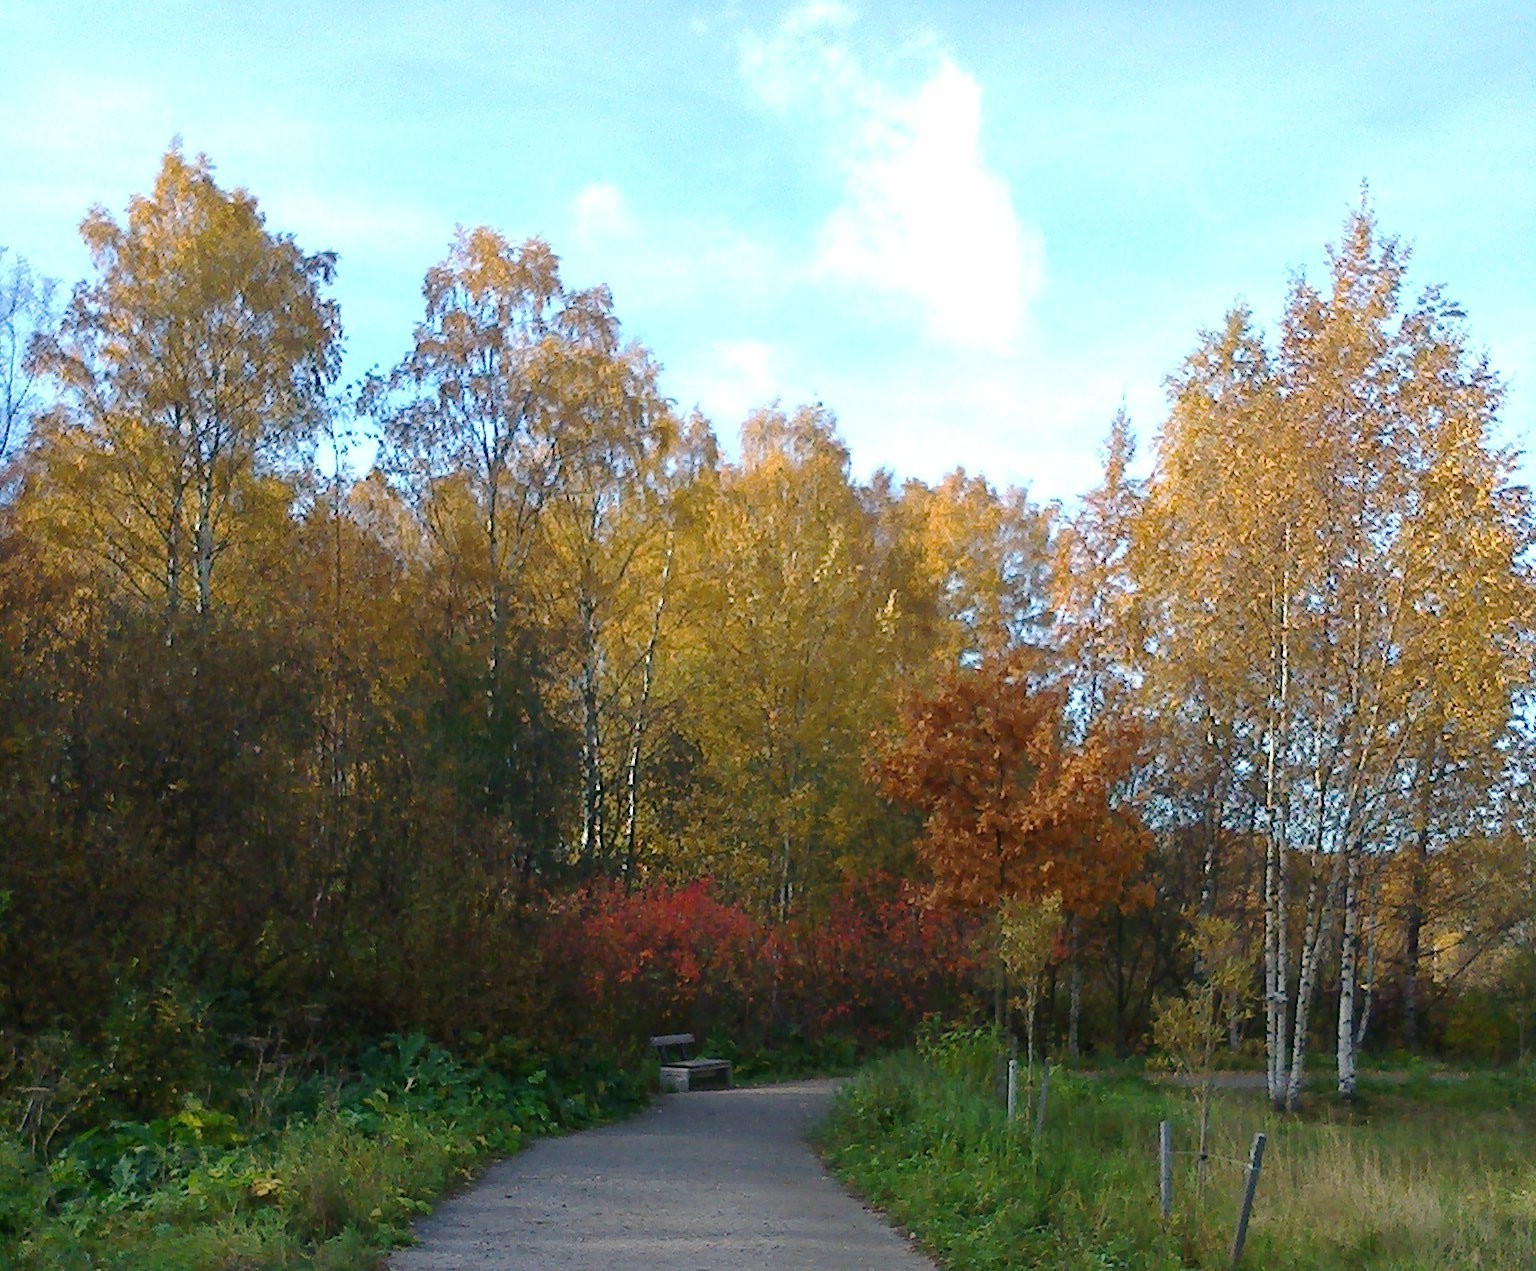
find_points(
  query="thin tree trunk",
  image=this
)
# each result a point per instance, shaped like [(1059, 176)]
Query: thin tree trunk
[(1372, 951), (173, 563), (1074, 997), (1413, 917), (205, 543), (784, 878), (1319, 926), (1276, 969), (593, 847), (494, 603), (638, 726), (1210, 822), (1348, 956)]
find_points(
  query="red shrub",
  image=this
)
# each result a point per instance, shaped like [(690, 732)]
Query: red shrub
[(867, 968)]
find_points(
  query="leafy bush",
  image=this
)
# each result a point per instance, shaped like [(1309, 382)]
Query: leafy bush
[(861, 973), (1480, 1027), (338, 1173)]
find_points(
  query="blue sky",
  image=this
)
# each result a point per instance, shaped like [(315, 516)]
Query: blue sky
[(970, 230)]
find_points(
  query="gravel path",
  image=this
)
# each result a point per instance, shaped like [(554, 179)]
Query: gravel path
[(711, 1179)]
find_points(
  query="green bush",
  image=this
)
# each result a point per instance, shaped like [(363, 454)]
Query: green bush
[(23, 1190), (1480, 1027), (331, 1172)]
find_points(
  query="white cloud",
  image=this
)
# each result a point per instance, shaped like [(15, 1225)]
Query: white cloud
[(922, 216), (601, 212), (669, 262), (733, 378)]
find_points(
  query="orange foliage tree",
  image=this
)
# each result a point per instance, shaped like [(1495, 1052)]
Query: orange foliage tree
[(1012, 811)]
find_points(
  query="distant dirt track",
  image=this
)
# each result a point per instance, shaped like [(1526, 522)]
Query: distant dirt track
[(711, 1179)]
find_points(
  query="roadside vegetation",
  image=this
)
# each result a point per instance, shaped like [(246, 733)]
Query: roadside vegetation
[(266, 1167), (1424, 1170), (186, 1133)]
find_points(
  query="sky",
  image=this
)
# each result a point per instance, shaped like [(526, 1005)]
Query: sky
[(971, 230)]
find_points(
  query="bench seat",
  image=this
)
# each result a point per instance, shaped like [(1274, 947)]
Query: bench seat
[(681, 1073)]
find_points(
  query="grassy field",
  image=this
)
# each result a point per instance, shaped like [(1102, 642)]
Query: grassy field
[(1427, 1172)]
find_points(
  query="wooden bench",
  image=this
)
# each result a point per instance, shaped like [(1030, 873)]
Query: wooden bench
[(681, 1073)]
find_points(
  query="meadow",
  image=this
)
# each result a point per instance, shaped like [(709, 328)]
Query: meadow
[(1424, 1170)]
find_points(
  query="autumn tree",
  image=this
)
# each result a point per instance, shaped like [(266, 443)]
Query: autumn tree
[(1295, 582), (1012, 809), (481, 420), (982, 557), (648, 636), (785, 659), (26, 307), (607, 538), (1091, 591), (189, 370)]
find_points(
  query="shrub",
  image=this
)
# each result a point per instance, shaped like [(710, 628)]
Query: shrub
[(862, 971)]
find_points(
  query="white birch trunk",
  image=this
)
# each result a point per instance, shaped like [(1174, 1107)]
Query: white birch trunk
[(1372, 953), (1276, 968), (638, 725), (1348, 954), (1320, 915), (593, 845)]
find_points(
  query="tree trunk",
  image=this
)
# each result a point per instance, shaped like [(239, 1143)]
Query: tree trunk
[(638, 726), (593, 847), (1210, 823), (1348, 956), (1074, 998), (1413, 918), (1319, 926), (173, 530), (495, 606), (1372, 952), (785, 884), (1276, 968), (204, 548)]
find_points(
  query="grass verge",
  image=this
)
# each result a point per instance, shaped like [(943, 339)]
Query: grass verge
[(1407, 1177)]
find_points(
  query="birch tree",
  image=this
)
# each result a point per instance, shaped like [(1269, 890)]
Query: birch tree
[(788, 663), (476, 410), (607, 539), (26, 308), (194, 364), (481, 420), (1304, 593)]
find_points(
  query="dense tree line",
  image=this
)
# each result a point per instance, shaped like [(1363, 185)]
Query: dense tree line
[(331, 744)]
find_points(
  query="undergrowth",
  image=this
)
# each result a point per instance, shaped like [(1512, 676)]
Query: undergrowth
[(1417, 1176), (321, 1170), (787, 1059)]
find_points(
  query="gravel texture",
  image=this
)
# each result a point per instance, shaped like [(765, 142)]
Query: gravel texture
[(709, 1179)]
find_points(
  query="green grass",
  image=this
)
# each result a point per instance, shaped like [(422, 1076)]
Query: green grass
[(331, 1175), (1428, 1174)]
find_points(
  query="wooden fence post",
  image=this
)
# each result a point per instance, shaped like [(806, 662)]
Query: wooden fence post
[(1045, 1089), (1255, 1163), (1165, 1167), (1013, 1086)]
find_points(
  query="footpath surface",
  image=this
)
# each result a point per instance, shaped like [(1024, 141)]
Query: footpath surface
[(711, 1179)]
